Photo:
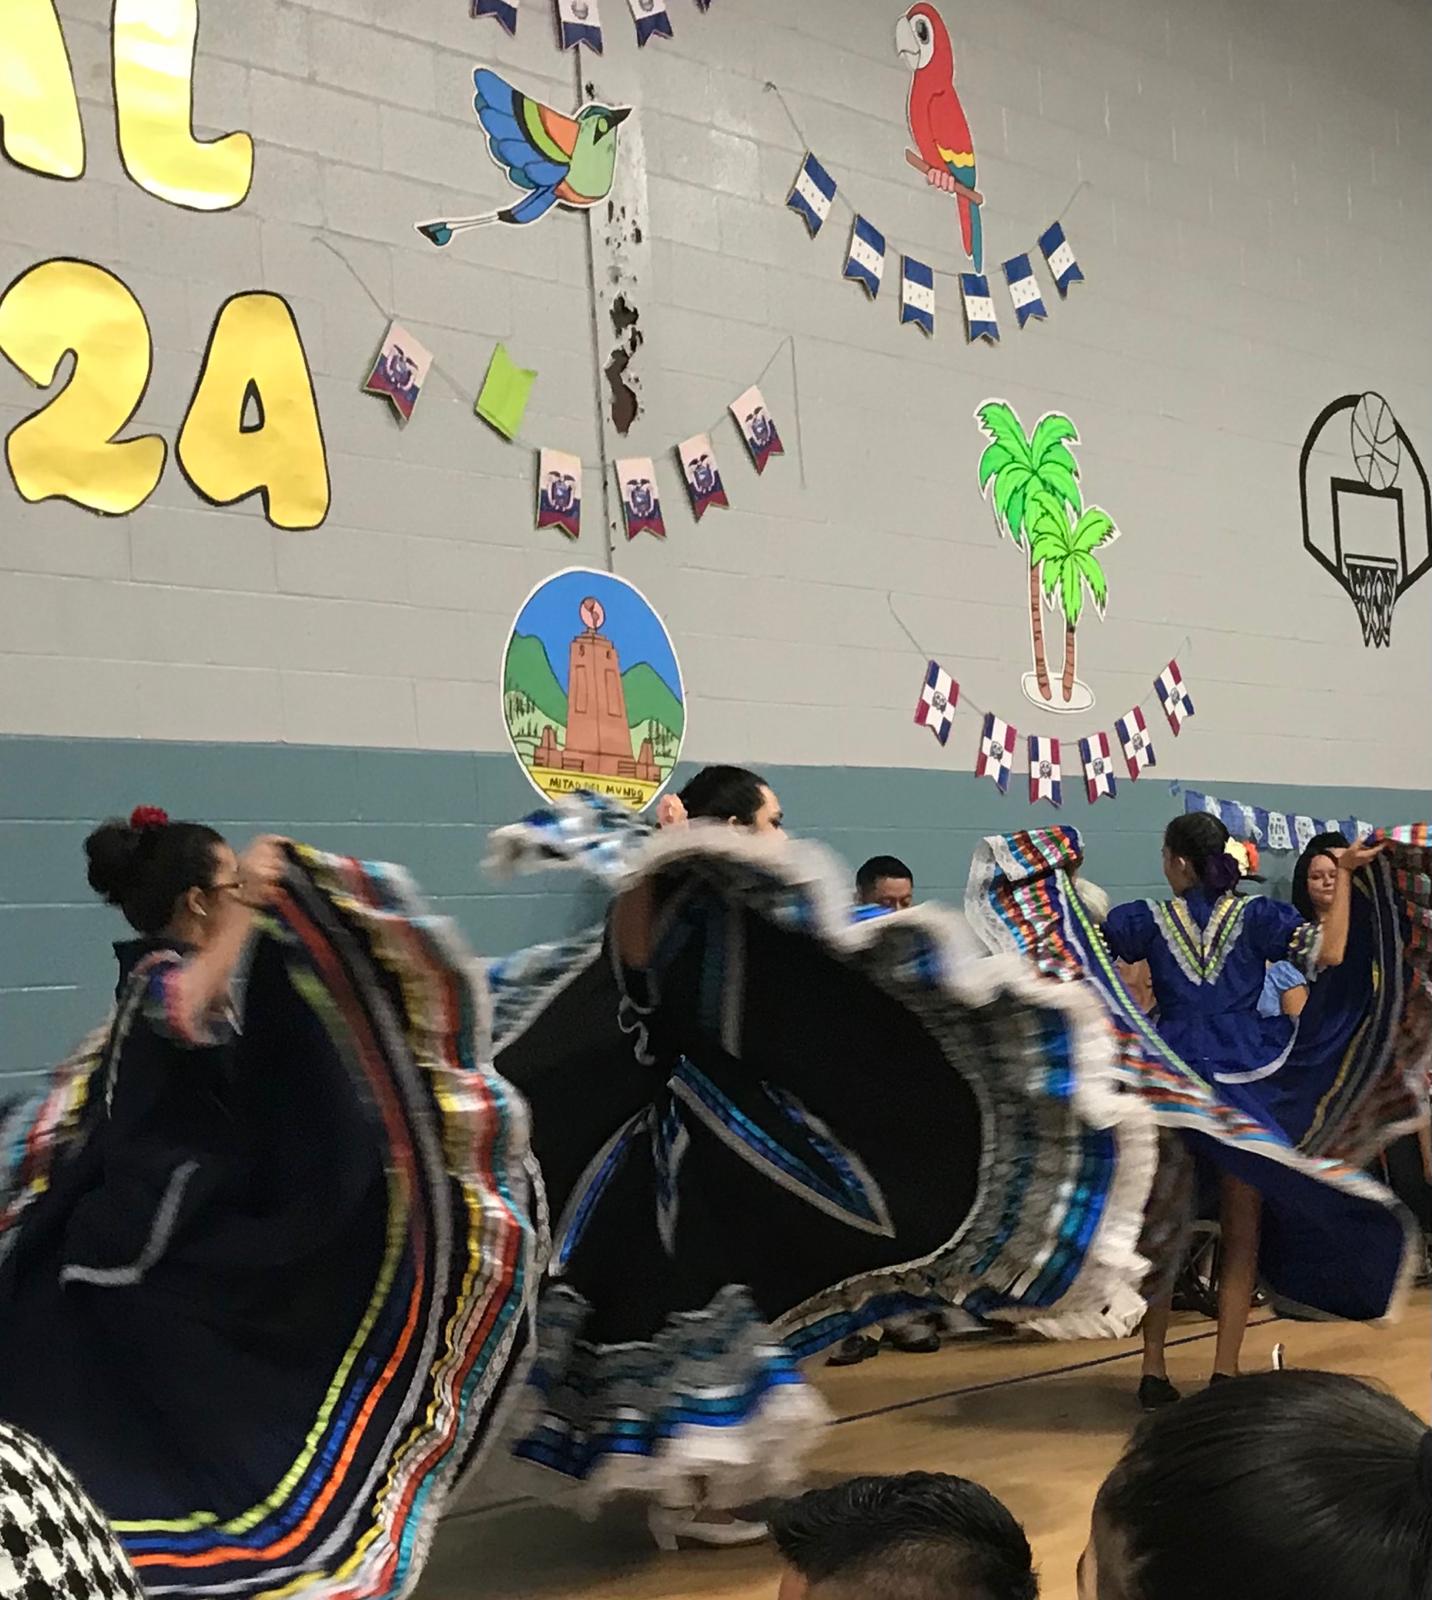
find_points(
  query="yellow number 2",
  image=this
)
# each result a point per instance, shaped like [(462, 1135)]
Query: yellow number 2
[(68, 450), (253, 425)]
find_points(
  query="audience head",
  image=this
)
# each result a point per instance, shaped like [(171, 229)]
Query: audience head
[(161, 874), (1196, 855), (885, 881), (923, 1536), (1287, 1486), (1315, 878), (733, 795)]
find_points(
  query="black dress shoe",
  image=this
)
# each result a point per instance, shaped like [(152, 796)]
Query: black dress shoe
[(1157, 1393), (853, 1351)]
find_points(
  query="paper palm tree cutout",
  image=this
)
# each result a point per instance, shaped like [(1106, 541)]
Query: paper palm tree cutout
[(1028, 478), (1063, 550)]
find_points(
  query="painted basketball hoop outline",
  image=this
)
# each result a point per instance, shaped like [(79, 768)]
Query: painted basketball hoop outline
[(1372, 466)]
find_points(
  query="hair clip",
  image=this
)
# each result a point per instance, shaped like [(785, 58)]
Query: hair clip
[(143, 818)]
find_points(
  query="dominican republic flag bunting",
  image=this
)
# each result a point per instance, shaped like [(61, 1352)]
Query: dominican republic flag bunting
[(980, 320), (1174, 696), (812, 194), (652, 21), (504, 10), (917, 294), (1060, 255), (1098, 767), (865, 260), (938, 698), (1046, 780), (1024, 289), (996, 751), (1133, 734)]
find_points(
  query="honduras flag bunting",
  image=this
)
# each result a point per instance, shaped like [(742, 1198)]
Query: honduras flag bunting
[(996, 758), (812, 194), (1046, 781), (980, 320), (1138, 747), (917, 294), (1024, 289), (1098, 767), (504, 10), (1280, 832), (865, 260), (1060, 256), (939, 696), (652, 21), (579, 22)]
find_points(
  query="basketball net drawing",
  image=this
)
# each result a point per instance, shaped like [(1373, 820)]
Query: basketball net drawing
[(1367, 507)]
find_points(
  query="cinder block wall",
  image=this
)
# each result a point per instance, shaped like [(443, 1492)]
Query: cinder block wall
[(1257, 217)]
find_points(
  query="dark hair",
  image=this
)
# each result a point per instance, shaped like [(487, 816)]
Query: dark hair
[(1323, 845), (1283, 1485), (923, 1536), (144, 870), (1199, 837), (879, 867), (723, 793)]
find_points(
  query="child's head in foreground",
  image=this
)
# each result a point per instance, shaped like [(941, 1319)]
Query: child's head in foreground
[(922, 1536), (1283, 1486)]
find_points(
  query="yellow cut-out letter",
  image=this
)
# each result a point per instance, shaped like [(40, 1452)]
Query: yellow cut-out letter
[(39, 113), (154, 106), (68, 450), (253, 425)]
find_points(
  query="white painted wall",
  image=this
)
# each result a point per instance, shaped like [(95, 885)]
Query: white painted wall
[(1255, 233)]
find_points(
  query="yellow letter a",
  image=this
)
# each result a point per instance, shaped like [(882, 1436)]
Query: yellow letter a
[(256, 364)]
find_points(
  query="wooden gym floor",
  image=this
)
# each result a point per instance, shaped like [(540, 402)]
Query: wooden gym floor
[(1039, 1424)]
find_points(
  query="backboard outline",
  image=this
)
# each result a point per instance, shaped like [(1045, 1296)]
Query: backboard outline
[(1410, 457)]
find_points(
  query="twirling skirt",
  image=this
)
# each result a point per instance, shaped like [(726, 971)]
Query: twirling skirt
[(1333, 1240), (283, 1400), (791, 1125)]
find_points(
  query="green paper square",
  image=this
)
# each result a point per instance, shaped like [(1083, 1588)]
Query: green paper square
[(505, 392)]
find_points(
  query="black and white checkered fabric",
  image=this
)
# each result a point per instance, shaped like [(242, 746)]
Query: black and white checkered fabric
[(54, 1545)]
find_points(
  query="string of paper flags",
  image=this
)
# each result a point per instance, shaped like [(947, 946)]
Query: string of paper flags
[(401, 369), (1279, 831), (999, 740), (812, 197), (579, 22)]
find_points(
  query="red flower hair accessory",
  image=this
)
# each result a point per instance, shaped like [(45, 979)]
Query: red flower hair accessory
[(142, 818)]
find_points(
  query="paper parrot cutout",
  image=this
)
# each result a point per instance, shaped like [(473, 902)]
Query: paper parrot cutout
[(938, 124), (556, 159)]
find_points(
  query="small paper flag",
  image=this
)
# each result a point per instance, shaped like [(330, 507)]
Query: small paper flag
[(702, 474), (502, 404), (757, 428), (559, 492), (641, 499)]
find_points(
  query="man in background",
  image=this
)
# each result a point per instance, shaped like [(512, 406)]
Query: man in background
[(885, 881), (923, 1536)]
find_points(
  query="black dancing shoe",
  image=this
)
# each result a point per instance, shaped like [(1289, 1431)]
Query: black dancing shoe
[(853, 1351), (1157, 1393), (1221, 1377)]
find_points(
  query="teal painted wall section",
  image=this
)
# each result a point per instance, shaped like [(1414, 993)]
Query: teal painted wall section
[(432, 812)]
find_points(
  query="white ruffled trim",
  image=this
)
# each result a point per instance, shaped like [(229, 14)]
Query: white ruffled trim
[(723, 1468)]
